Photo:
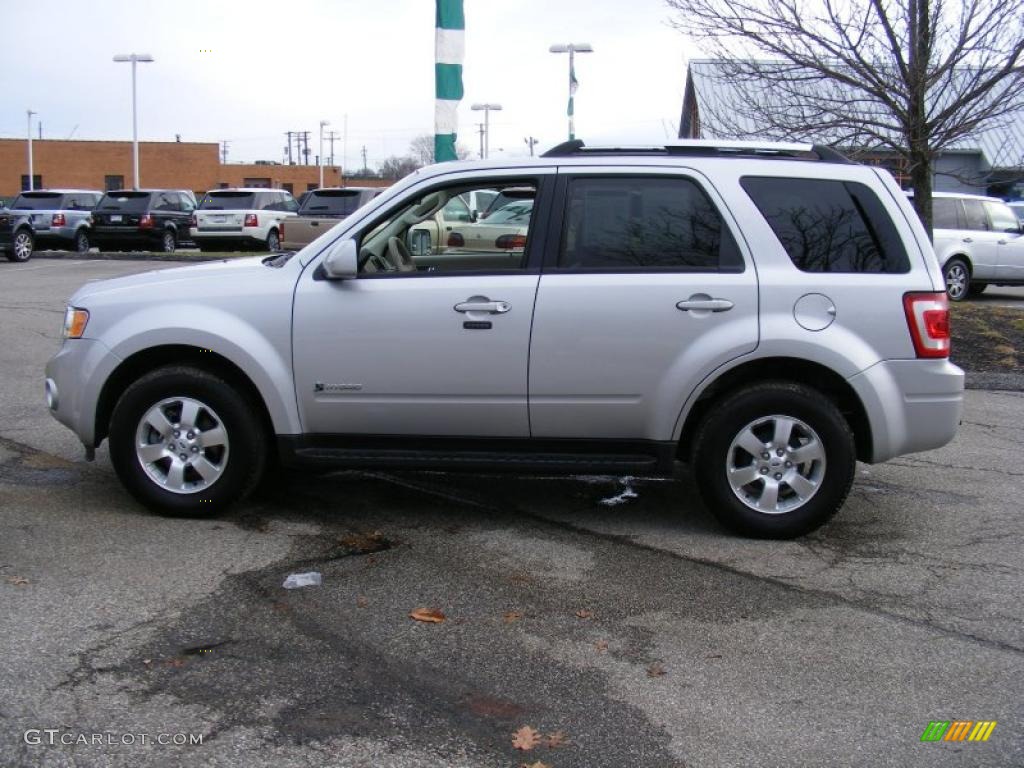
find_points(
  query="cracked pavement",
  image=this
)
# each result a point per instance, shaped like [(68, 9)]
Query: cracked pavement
[(836, 649)]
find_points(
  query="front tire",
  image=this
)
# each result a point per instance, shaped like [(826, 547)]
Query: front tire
[(958, 279), (22, 247), (774, 460), (185, 442)]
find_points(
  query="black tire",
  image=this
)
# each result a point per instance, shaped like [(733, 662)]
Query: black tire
[(204, 247), (729, 418), (23, 245), (246, 445), (82, 244), (976, 289), (273, 241), (168, 241), (957, 276)]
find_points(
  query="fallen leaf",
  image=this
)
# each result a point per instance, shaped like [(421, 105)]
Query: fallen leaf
[(18, 581), (511, 616), (280, 607), (713, 656), (365, 542), (362, 602), (526, 738), (175, 662), (583, 613), (601, 645), (537, 764), (655, 670), (429, 615), (520, 578), (556, 739)]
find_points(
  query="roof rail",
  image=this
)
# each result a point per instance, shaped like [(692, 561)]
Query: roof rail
[(704, 148)]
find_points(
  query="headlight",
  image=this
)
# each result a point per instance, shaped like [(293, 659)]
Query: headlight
[(74, 322)]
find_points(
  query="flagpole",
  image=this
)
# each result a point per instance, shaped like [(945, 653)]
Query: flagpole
[(572, 49), (449, 50)]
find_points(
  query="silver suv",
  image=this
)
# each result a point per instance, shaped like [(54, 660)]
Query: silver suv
[(767, 314)]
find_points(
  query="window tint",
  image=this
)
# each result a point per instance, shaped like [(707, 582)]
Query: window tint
[(829, 226), (337, 202), (946, 213), (627, 224), (228, 201), (976, 218), (456, 210), (1001, 216), (37, 201), (130, 202), (165, 202)]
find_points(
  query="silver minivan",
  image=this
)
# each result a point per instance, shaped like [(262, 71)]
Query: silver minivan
[(767, 314)]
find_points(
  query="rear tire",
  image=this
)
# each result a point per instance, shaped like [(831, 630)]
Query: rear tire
[(168, 242), (82, 244), (273, 241), (181, 411), (976, 289), (957, 276), (22, 247), (744, 449)]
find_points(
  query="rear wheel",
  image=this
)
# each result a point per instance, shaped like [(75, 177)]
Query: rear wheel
[(22, 246), (273, 242), (958, 279), (976, 289), (774, 460), (168, 242), (82, 243), (186, 442)]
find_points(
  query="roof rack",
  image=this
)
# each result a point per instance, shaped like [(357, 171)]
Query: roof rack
[(699, 148)]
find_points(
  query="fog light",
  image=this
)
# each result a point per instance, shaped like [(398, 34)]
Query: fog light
[(51, 394)]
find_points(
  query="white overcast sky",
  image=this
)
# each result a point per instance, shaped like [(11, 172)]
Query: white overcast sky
[(278, 66)]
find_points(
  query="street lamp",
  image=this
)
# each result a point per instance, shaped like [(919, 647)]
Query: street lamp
[(487, 109), (572, 49), (320, 159), (30, 183), (134, 58)]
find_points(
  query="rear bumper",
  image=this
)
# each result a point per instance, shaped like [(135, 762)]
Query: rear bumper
[(227, 236), (911, 405), (74, 380)]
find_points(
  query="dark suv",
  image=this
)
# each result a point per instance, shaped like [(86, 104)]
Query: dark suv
[(153, 219)]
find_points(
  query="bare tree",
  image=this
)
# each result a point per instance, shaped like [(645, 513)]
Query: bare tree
[(422, 149), (398, 167), (908, 76)]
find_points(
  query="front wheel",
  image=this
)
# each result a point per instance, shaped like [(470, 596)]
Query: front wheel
[(774, 460), (22, 247), (958, 279), (186, 442)]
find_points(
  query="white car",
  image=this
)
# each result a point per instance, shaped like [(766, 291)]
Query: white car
[(237, 218)]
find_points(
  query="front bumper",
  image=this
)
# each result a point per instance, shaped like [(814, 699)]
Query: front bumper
[(74, 380), (911, 405)]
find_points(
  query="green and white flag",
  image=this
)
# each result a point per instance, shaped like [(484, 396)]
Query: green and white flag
[(449, 49), (573, 84)]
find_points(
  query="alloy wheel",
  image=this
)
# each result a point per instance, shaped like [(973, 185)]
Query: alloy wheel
[(182, 445)]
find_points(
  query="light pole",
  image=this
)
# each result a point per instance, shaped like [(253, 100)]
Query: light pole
[(31, 185), (572, 49), (134, 58), (487, 109), (320, 159)]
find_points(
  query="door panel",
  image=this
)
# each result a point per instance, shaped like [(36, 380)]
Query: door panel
[(391, 356)]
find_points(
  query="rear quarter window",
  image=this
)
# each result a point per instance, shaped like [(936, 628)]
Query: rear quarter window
[(826, 225)]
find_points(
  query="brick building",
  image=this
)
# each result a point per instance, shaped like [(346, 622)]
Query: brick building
[(162, 164)]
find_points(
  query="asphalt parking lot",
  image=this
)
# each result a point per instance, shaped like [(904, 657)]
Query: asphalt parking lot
[(615, 612)]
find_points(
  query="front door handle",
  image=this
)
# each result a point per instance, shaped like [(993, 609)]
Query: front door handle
[(481, 304), (713, 305), (968, 239)]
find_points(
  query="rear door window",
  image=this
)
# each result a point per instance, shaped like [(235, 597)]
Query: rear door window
[(976, 218), (633, 224), (826, 225)]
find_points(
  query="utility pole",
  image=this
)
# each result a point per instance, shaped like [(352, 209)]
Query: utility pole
[(487, 109), (480, 126), (320, 157), (224, 152), (305, 146), (530, 142), (289, 150), (134, 58), (30, 171), (332, 136), (364, 168)]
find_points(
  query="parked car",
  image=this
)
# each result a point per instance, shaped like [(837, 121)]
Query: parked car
[(151, 219), (321, 210), (237, 218), (61, 218), (768, 314), (979, 241), (17, 236)]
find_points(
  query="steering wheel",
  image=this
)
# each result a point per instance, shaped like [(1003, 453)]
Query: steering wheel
[(400, 256)]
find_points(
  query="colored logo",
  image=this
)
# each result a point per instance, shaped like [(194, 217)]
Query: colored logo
[(958, 730)]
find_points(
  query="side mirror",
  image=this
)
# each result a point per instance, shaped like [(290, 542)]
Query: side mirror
[(342, 262), (474, 215), (419, 242)]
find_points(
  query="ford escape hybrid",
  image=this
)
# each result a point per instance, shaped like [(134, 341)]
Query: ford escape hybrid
[(767, 314)]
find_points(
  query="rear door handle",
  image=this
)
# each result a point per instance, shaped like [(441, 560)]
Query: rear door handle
[(714, 305), (968, 239), (476, 304)]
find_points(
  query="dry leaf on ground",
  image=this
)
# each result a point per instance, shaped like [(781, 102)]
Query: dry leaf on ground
[(583, 613), (525, 738), (601, 646), (655, 670), (18, 581), (511, 616), (428, 615), (362, 602), (556, 739), (537, 764)]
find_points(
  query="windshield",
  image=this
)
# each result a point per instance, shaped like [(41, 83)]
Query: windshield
[(131, 202), (513, 213), (228, 201), (37, 201), (339, 202)]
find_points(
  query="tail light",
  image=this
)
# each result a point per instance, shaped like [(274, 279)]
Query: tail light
[(192, 221), (251, 220), (146, 221), (280, 231), (58, 220), (928, 319), (456, 240), (510, 242)]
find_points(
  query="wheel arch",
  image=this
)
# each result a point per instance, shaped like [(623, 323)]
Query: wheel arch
[(820, 377), (960, 256)]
